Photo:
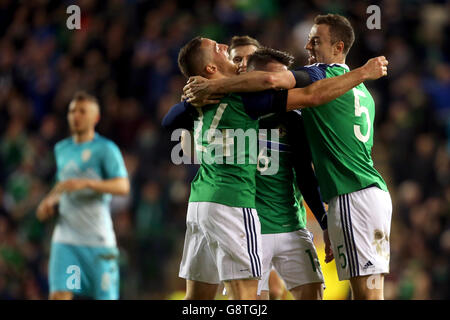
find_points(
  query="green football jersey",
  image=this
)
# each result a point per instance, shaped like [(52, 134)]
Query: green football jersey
[(341, 137), (279, 203), (226, 147)]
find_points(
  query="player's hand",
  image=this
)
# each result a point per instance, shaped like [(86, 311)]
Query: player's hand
[(71, 185), (46, 208), (376, 68), (328, 251), (199, 93)]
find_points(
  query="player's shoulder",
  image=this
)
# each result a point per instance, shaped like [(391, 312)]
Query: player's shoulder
[(316, 66), (63, 144), (235, 97), (105, 142), (325, 66)]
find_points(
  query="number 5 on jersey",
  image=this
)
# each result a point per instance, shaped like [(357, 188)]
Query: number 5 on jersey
[(359, 111)]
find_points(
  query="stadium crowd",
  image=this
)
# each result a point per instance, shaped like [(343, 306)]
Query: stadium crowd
[(126, 54)]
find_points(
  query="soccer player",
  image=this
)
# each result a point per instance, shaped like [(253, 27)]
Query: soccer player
[(341, 138), (241, 47), (287, 244), (84, 256), (223, 240)]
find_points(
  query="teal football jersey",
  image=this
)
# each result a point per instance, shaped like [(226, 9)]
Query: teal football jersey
[(84, 215)]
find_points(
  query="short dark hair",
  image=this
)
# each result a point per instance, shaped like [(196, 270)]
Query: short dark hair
[(81, 96), (340, 29), (264, 55), (187, 61), (238, 41)]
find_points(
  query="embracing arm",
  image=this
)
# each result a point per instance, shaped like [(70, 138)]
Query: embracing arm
[(326, 90), (199, 90), (179, 116), (254, 81)]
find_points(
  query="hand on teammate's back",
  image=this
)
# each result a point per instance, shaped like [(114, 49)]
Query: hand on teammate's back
[(375, 68)]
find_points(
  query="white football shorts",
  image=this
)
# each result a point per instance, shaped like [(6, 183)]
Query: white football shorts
[(294, 257), (359, 225), (221, 243)]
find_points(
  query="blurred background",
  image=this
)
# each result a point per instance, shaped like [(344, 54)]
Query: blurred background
[(126, 54)]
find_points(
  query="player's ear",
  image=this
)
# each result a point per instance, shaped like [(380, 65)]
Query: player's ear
[(338, 48), (210, 69)]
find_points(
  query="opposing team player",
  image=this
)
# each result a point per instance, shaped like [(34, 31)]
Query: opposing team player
[(84, 256), (223, 241)]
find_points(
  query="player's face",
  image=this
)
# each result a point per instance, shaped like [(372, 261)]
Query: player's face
[(218, 53), (239, 56), (82, 116), (319, 44)]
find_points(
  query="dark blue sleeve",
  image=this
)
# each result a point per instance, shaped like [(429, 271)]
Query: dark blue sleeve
[(257, 104), (302, 78), (316, 71), (180, 115), (304, 173)]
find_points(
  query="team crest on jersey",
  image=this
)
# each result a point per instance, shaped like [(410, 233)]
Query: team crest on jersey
[(86, 155)]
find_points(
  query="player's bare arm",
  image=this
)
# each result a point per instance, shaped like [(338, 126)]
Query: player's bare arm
[(115, 186), (326, 90), (46, 208), (200, 91)]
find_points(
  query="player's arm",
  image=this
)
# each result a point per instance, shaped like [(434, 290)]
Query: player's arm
[(326, 90), (306, 178), (116, 186), (198, 90), (302, 162), (46, 208), (179, 116)]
